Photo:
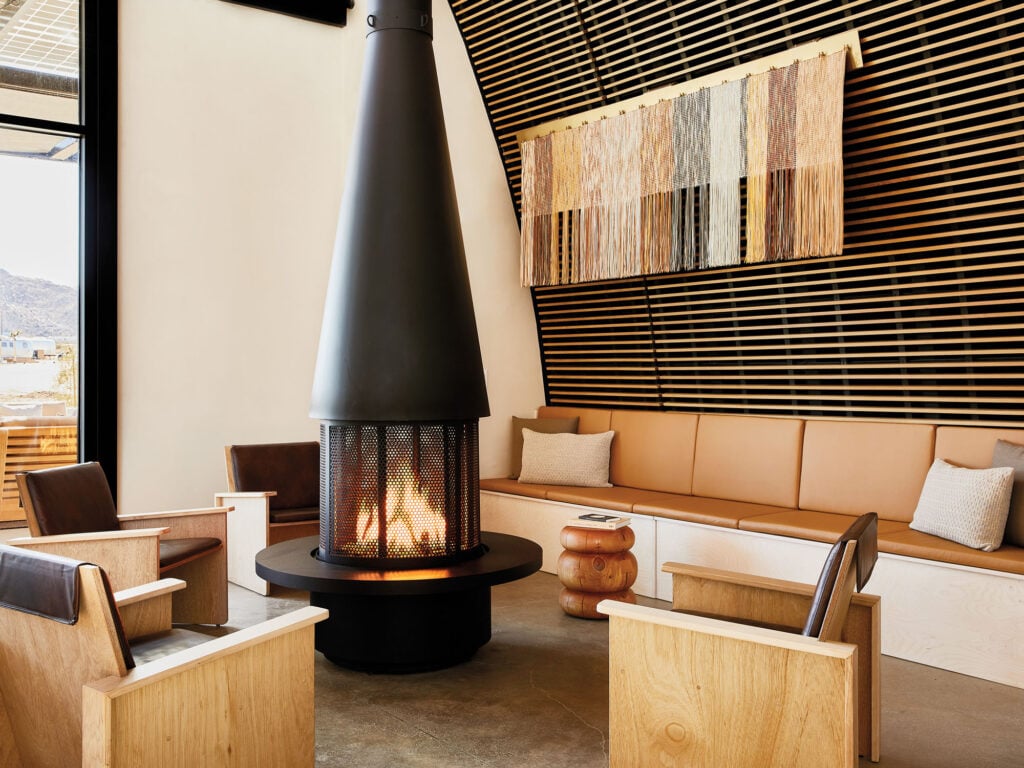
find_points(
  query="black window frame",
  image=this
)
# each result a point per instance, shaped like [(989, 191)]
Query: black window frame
[(97, 261)]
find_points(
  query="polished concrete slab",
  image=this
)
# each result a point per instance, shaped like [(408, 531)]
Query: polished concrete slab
[(536, 695)]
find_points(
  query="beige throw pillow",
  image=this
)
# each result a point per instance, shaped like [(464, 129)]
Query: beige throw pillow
[(548, 426), (566, 459), (1012, 455), (968, 506)]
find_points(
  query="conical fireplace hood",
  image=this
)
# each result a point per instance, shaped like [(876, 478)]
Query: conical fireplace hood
[(399, 339)]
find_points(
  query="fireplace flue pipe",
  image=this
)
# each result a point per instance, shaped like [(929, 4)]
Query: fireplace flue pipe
[(399, 339)]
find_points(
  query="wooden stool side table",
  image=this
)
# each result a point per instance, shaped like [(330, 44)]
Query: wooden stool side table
[(596, 565)]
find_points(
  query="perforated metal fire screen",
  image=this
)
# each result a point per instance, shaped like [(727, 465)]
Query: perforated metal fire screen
[(399, 495)]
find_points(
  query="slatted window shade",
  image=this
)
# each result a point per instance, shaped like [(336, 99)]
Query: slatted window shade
[(922, 316)]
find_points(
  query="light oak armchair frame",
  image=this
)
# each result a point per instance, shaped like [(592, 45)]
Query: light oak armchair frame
[(69, 694), (131, 556), (712, 685)]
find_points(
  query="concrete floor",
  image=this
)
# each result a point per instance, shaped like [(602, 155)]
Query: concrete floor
[(537, 695)]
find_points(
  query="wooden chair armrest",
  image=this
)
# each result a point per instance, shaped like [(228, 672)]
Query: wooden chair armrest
[(723, 628), (735, 577), (130, 558), (143, 592), (158, 703), (243, 494), (184, 523), (171, 513), (39, 542)]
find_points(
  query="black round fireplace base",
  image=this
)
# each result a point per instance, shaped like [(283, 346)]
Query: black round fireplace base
[(401, 620)]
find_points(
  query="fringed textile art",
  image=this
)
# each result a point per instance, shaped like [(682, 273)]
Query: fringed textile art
[(660, 189)]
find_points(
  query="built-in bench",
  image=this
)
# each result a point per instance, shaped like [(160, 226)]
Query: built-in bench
[(767, 496)]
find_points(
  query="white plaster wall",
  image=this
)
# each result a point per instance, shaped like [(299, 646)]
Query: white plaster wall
[(234, 132)]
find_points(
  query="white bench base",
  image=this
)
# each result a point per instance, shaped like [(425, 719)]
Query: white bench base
[(954, 617)]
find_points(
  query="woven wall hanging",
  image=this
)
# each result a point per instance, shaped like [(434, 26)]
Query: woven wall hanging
[(660, 189)]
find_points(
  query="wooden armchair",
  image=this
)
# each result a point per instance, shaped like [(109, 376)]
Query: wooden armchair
[(71, 695), (753, 672), (71, 512), (275, 491)]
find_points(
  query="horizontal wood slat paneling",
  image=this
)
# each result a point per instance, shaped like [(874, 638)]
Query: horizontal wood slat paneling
[(920, 319)]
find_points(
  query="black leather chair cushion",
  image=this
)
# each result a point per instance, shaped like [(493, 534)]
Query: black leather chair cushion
[(72, 499), (291, 469), (40, 584), (863, 530), (175, 551)]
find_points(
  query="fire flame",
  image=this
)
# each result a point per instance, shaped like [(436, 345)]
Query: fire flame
[(414, 526)]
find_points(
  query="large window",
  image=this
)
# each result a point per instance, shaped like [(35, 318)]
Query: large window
[(58, 116)]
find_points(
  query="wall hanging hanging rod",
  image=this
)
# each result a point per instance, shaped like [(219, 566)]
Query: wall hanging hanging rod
[(850, 41)]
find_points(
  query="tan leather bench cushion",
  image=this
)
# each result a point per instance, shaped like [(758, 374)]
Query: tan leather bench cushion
[(853, 467), (748, 458), (653, 450), (700, 509), (927, 547), (972, 446), (591, 419), (616, 499), (808, 524), (507, 485)]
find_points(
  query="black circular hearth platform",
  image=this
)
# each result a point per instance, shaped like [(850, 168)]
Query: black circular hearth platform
[(401, 620)]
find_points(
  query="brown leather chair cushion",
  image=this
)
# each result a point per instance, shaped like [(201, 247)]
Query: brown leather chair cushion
[(72, 499), (290, 469), (175, 551), (294, 515)]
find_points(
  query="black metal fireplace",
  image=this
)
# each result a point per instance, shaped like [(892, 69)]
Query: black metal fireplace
[(399, 388), (399, 495)]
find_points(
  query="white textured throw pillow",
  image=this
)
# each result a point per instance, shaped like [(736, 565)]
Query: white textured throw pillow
[(968, 506), (566, 459)]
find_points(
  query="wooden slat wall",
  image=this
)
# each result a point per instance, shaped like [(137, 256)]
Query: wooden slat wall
[(921, 318)]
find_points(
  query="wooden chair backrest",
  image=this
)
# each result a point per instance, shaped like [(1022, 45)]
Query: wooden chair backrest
[(43, 666)]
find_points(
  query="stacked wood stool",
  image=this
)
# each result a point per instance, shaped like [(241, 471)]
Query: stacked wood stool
[(596, 565)]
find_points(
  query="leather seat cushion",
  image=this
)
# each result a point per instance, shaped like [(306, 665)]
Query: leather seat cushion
[(292, 470), (927, 547), (174, 551), (294, 515), (748, 458), (514, 487), (972, 447), (618, 498), (653, 450), (852, 466), (808, 524), (700, 509), (72, 499)]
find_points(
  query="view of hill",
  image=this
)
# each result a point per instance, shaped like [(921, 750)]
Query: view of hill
[(37, 307)]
